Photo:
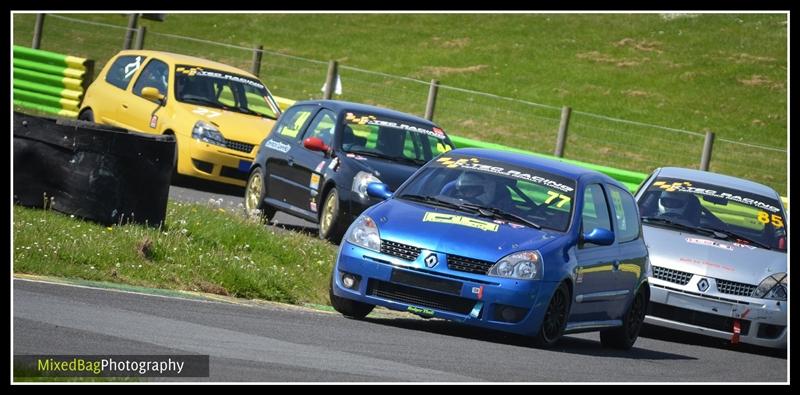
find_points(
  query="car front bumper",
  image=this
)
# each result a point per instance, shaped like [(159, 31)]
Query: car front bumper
[(760, 322), (516, 306), (211, 162)]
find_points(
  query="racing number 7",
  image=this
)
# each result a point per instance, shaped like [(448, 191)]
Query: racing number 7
[(553, 195)]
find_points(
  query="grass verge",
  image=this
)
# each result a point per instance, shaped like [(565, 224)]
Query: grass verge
[(201, 248)]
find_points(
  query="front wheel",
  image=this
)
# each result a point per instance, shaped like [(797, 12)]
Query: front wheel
[(555, 318), (623, 337), (330, 220), (347, 307), (254, 198)]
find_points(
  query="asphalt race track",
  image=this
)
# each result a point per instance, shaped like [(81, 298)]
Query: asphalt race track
[(286, 343)]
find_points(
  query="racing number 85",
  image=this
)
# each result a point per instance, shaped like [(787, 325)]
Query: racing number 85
[(764, 218)]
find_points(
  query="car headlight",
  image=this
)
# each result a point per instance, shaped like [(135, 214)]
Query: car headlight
[(207, 133), (364, 233), (773, 287), (360, 182), (524, 265)]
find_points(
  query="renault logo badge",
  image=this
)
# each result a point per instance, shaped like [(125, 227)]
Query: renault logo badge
[(702, 285), (431, 260)]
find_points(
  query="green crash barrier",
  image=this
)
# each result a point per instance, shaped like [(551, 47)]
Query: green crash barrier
[(50, 82)]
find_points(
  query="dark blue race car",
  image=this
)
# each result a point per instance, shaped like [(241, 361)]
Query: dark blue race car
[(318, 159), (502, 241)]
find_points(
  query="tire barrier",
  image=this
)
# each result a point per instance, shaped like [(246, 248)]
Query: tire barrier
[(103, 174), (50, 82)]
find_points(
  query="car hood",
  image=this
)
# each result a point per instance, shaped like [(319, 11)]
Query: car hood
[(389, 172), (406, 222), (706, 256), (233, 125)]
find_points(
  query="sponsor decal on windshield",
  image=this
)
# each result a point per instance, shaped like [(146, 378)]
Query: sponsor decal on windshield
[(474, 164), (277, 146), (709, 243), (373, 120), (460, 220), (193, 71), (685, 186)]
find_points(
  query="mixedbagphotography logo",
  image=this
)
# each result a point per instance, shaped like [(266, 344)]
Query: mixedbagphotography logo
[(111, 366)]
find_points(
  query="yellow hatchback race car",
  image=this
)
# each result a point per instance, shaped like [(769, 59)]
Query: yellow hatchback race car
[(218, 114)]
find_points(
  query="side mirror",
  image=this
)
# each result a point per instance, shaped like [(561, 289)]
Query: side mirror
[(316, 144), (378, 190), (599, 236), (153, 94)]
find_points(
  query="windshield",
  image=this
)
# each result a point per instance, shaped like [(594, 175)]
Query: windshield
[(218, 89), (520, 196), (737, 215), (392, 139)]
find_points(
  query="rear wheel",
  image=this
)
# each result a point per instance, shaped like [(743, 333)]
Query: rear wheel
[(330, 220), (254, 198), (625, 336), (347, 307), (555, 318)]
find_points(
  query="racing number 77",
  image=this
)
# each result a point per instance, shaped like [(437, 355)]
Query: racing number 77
[(553, 195)]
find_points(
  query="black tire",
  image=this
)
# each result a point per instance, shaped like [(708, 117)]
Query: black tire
[(86, 115), (555, 318), (254, 194), (346, 307), (330, 218), (625, 336)]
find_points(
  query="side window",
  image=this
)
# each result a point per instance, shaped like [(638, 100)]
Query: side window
[(322, 127), (155, 75), (626, 217), (595, 210), (292, 121), (123, 69)]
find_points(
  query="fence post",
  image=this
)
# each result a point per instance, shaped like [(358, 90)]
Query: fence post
[(140, 37), (708, 144), (133, 19), (256, 67), (37, 31), (432, 93), (562, 131), (330, 81)]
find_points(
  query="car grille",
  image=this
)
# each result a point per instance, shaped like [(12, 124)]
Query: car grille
[(469, 265), (671, 275), (238, 146), (706, 320), (734, 288), (402, 251), (419, 297)]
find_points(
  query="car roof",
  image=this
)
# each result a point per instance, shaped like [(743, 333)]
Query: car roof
[(718, 179), (175, 58), (341, 105), (537, 162)]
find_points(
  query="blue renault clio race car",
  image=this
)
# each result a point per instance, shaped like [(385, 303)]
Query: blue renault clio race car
[(502, 241)]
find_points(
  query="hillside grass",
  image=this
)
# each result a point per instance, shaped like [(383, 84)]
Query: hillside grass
[(725, 73), (202, 248)]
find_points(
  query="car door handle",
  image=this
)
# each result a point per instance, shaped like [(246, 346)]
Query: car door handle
[(125, 106), (616, 265)]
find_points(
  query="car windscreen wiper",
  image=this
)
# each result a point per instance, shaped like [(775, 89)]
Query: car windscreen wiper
[(205, 102), (436, 202), (416, 162), (726, 234), (501, 214), (369, 153), (674, 224)]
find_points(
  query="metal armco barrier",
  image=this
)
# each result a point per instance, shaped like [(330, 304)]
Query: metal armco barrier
[(103, 174), (50, 82)]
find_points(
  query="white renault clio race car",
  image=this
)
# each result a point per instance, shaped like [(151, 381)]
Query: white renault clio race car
[(718, 248)]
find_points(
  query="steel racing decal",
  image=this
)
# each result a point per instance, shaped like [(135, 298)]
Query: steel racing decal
[(459, 220), (277, 146), (192, 71), (420, 311), (372, 120), (709, 243), (524, 174), (685, 186)]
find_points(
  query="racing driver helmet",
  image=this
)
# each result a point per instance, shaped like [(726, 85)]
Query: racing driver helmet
[(475, 188), (674, 203)]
